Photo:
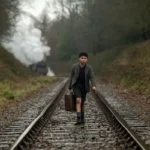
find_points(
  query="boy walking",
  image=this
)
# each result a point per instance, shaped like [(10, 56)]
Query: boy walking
[(81, 74)]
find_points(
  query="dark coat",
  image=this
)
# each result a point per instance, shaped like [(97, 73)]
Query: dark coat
[(89, 76)]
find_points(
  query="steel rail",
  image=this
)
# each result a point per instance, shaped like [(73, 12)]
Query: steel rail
[(42, 116), (115, 117), (24, 141)]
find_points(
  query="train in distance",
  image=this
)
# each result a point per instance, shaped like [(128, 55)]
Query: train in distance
[(39, 67)]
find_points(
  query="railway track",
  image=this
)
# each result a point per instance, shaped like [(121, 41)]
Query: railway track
[(54, 128)]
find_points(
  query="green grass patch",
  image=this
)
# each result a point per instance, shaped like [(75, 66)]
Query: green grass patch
[(11, 68), (16, 79), (11, 91), (128, 67)]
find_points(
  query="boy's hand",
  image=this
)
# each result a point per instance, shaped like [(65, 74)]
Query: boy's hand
[(94, 88)]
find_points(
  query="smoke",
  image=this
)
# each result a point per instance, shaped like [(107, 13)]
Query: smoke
[(26, 41), (50, 72)]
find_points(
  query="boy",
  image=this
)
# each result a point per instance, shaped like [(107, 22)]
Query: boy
[(79, 81)]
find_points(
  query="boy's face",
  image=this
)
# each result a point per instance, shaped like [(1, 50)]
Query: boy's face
[(83, 59)]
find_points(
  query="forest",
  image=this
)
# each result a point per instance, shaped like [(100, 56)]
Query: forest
[(88, 25), (115, 34), (98, 25)]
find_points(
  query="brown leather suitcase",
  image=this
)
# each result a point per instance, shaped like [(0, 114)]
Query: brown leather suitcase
[(70, 102)]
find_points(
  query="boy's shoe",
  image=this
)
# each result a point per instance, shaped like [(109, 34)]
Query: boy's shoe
[(82, 121), (82, 118), (78, 121)]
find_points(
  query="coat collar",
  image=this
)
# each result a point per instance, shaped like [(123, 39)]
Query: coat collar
[(86, 68)]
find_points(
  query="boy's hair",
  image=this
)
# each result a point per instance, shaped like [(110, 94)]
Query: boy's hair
[(83, 54)]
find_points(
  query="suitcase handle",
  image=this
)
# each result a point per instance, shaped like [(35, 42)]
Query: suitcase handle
[(71, 93)]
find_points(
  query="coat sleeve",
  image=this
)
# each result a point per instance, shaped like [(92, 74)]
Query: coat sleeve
[(71, 76), (92, 77)]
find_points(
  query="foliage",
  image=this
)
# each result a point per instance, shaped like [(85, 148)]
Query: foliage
[(127, 66), (10, 68), (130, 68), (8, 11), (16, 80), (98, 25), (64, 47), (12, 91)]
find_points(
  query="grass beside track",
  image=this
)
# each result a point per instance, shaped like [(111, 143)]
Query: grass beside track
[(17, 80), (11, 92)]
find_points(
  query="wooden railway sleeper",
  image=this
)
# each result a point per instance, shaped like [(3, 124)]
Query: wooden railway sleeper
[(123, 132), (39, 124), (132, 144), (125, 135), (128, 139), (30, 136), (25, 144), (135, 147), (33, 132), (120, 129), (21, 147)]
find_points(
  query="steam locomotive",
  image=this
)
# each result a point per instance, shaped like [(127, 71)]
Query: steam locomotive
[(40, 68)]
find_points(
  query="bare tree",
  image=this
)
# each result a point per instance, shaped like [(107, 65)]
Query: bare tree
[(8, 10)]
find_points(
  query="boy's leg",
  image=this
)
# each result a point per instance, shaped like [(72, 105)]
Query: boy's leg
[(78, 104), (78, 107), (82, 106), (82, 112)]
